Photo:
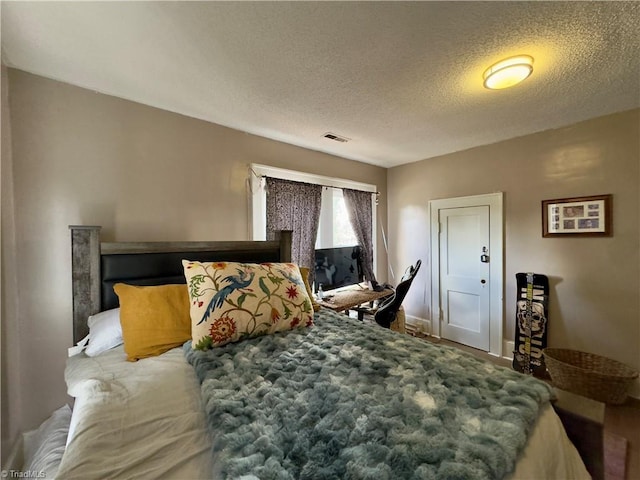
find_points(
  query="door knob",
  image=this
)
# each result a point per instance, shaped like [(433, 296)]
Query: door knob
[(483, 281)]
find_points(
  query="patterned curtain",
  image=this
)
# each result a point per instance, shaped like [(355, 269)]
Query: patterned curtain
[(358, 205), (295, 206)]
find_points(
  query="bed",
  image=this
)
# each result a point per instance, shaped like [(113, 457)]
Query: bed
[(339, 399)]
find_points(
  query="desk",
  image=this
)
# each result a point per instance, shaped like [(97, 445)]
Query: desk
[(344, 300)]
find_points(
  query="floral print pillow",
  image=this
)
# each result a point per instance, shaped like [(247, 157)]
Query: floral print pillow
[(234, 301)]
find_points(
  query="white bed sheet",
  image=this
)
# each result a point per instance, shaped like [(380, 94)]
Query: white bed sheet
[(141, 420), (144, 420)]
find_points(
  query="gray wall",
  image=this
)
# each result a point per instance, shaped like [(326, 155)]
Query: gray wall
[(595, 282), (143, 174)]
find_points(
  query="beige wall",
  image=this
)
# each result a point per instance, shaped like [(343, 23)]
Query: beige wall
[(595, 282), (143, 174), (78, 157), (10, 420)]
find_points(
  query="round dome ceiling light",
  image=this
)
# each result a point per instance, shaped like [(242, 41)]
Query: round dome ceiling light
[(508, 72)]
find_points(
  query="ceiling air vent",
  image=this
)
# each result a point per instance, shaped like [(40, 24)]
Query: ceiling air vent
[(337, 138)]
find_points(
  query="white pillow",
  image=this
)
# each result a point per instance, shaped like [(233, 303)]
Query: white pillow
[(44, 447), (105, 332)]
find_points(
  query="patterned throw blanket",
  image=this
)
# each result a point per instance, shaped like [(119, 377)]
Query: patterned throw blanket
[(343, 399)]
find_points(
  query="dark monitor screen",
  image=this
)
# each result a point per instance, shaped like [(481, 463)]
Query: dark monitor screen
[(338, 267)]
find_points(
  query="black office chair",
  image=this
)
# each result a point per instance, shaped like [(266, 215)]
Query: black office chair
[(388, 308)]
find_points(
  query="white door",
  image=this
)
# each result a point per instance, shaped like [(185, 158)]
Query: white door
[(465, 275)]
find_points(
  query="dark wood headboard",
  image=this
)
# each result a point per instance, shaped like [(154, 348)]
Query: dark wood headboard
[(96, 266)]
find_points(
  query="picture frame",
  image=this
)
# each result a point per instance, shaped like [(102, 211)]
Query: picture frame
[(579, 216)]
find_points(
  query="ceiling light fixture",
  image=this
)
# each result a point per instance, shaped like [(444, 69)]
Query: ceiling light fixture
[(508, 72)]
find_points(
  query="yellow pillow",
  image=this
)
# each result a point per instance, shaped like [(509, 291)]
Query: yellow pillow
[(154, 319), (304, 273)]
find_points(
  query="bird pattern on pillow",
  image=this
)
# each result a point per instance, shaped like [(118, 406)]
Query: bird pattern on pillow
[(232, 301)]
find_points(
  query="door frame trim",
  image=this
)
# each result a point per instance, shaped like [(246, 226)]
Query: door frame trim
[(496, 266)]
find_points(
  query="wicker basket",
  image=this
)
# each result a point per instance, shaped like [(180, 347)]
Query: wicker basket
[(590, 375)]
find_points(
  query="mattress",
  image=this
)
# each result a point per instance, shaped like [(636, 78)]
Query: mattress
[(145, 420)]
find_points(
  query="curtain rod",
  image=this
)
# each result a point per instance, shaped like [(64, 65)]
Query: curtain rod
[(320, 184)]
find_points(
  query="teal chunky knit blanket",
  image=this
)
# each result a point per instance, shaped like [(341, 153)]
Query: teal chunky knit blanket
[(343, 399)]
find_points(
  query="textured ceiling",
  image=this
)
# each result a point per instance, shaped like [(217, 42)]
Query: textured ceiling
[(402, 81)]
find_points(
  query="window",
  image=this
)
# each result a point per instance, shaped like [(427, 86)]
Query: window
[(334, 229)]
